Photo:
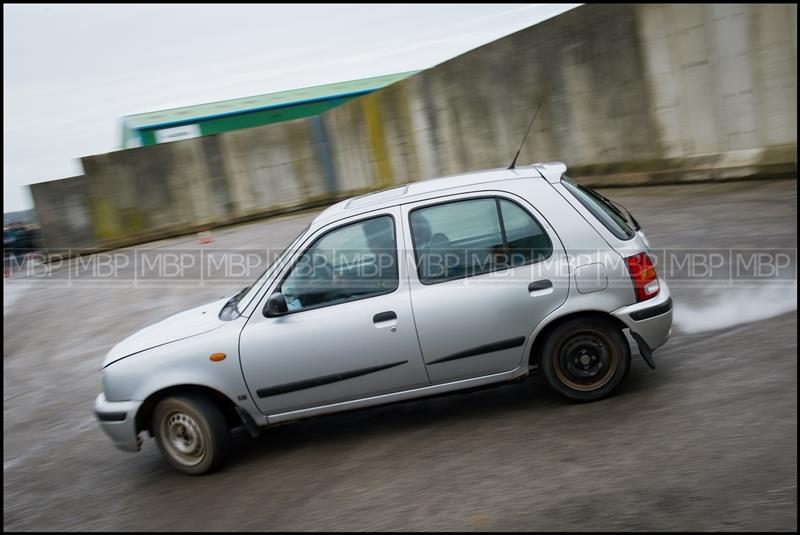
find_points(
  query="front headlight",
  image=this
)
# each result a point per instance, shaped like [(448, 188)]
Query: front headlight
[(112, 394), (118, 381)]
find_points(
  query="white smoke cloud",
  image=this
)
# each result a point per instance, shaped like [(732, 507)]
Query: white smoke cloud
[(733, 306)]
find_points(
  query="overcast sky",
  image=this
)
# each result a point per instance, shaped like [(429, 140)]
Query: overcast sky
[(71, 71)]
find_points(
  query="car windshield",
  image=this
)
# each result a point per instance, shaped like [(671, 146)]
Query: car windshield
[(234, 306)]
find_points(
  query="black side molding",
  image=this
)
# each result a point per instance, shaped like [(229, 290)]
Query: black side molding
[(111, 416), (324, 380), (652, 312), (488, 348)]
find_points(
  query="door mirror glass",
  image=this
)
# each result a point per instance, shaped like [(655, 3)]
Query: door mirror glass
[(276, 305)]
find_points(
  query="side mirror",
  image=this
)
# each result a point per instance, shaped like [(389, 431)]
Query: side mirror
[(276, 305)]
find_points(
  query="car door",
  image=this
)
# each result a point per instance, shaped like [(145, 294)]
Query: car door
[(485, 269), (349, 331)]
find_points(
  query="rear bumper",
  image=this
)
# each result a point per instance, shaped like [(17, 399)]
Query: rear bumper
[(651, 319), (118, 420)]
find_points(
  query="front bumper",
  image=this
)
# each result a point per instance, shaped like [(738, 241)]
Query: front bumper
[(651, 319), (118, 420)]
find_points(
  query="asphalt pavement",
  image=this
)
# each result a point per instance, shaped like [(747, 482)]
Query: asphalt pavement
[(707, 441)]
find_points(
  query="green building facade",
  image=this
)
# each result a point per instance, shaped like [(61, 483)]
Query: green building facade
[(216, 117)]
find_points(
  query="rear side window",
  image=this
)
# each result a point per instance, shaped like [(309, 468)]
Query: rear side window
[(474, 236), (527, 241), (608, 215)]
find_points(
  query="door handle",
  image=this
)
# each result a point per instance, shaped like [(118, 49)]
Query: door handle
[(384, 316), (540, 285)]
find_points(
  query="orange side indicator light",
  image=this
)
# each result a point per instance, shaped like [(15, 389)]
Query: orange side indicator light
[(216, 357)]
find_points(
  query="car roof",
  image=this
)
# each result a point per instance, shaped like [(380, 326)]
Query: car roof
[(400, 194)]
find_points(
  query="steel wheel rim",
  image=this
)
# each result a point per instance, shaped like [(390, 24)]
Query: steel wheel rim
[(183, 438), (586, 361)]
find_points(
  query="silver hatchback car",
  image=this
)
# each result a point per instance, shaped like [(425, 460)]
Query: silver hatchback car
[(423, 289)]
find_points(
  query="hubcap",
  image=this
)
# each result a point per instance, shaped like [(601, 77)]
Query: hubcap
[(586, 361), (183, 438)]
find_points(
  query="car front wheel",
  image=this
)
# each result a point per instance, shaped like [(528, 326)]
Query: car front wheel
[(585, 359), (191, 433)]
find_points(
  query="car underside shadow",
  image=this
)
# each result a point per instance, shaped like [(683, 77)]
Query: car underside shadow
[(453, 411)]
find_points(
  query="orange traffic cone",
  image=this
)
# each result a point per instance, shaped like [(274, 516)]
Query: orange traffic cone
[(204, 236)]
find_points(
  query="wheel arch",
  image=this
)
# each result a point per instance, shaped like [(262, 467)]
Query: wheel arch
[(145, 413), (541, 336)]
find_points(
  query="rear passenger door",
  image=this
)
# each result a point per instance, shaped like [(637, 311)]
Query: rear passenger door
[(483, 273)]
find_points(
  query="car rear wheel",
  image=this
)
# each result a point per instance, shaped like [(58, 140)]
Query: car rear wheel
[(191, 433), (585, 359)]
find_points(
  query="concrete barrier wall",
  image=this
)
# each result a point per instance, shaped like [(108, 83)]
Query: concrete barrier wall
[(629, 94), (63, 213)]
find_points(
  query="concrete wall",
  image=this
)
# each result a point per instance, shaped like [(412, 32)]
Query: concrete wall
[(63, 213), (630, 94)]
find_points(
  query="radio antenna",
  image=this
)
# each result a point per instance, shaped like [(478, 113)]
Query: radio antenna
[(514, 163)]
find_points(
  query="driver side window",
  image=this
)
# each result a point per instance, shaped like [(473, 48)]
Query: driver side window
[(351, 262)]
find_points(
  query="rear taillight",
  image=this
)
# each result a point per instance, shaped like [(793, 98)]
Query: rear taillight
[(643, 274)]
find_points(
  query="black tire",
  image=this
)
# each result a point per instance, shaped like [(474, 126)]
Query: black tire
[(585, 359), (177, 424)]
